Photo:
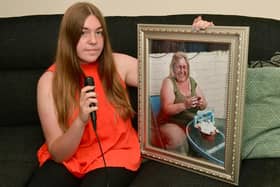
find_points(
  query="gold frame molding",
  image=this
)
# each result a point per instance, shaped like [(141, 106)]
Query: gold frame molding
[(237, 38)]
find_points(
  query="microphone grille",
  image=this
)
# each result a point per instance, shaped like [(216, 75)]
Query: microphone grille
[(89, 81)]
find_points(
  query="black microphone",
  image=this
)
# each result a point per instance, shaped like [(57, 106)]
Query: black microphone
[(90, 82)]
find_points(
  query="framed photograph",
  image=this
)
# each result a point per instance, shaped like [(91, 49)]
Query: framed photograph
[(191, 97)]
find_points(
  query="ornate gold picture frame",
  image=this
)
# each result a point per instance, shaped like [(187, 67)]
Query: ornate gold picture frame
[(217, 60)]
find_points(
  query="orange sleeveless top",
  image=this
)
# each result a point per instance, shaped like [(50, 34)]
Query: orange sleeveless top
[(118, 138)]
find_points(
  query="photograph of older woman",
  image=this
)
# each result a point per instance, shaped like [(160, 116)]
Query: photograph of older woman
[(180, 98)]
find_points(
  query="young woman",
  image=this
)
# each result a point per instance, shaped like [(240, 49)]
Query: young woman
[(74, 153), (71, 155)]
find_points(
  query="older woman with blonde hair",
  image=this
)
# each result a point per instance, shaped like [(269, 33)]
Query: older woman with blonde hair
[(181, 98)]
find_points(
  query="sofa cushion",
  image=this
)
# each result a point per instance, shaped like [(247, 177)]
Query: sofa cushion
[(18, 97), (253, 173), (153, 174), (261, 129), (18, 147)]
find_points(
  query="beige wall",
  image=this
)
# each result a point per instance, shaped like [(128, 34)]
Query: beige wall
[(255, 8)]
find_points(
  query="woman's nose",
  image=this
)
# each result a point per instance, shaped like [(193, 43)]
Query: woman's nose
[(93, 38)]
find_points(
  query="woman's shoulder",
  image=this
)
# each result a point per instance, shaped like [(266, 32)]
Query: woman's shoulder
[(123, 58), (46, 78), (193, 81), (127, 66), (168, 83), (169, 80)]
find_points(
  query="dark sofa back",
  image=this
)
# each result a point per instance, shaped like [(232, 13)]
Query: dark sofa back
[(27, 48)]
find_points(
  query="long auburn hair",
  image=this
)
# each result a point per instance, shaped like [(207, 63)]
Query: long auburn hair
[(68, 75)]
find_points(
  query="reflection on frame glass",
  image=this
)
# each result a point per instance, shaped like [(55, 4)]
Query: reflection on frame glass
[(191, 97)]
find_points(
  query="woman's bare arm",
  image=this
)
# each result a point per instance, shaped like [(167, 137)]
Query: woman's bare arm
[(61, 145)]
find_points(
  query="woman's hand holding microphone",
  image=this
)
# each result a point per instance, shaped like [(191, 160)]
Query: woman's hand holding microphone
[(88, 103)]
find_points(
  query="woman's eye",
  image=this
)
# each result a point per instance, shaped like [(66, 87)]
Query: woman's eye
[(85, 33), (99, 32), (88, 33)]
